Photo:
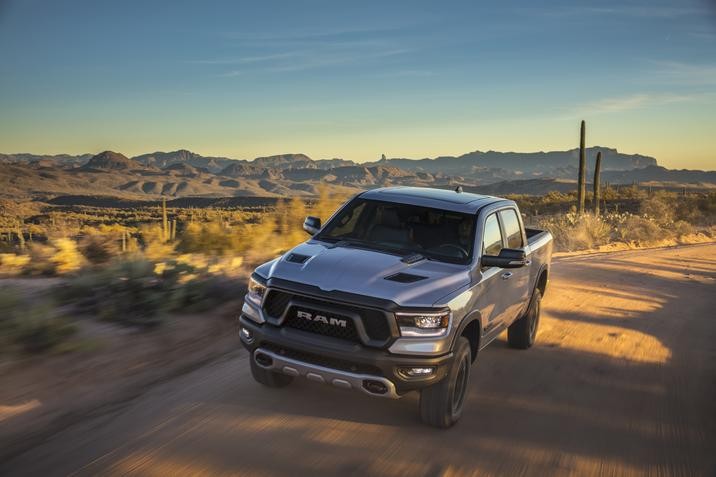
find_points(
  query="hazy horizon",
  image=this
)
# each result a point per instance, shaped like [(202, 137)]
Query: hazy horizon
[(354, 81), (150, 152)]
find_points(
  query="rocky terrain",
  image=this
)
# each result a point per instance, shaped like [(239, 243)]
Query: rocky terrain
[(187, 174)]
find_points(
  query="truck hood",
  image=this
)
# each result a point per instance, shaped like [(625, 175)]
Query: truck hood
[(364, 272)]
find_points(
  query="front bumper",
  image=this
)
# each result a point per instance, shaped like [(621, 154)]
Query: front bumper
[(343, 364)]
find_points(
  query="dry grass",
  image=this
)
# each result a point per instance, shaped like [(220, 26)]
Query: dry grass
[(659, 217), (123, 266)]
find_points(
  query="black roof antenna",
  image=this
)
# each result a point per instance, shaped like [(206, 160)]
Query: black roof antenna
[(458, 189)]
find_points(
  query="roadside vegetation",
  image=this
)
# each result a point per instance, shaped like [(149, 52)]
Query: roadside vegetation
[(31, 326), (136, 267), (632, 216)]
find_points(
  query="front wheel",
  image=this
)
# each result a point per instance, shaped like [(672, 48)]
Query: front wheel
[(441, 404), (522, 333)]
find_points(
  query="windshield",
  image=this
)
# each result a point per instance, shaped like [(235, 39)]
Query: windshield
[(405, 229)]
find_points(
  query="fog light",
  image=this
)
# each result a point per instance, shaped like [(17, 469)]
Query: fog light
[(375, 387), (263, 360), (416, 372), (246, 334)]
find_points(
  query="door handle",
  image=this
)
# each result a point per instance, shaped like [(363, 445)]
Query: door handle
[(506, 275)]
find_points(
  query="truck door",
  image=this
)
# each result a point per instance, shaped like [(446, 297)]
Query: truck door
[(515, 280), (493, 301)]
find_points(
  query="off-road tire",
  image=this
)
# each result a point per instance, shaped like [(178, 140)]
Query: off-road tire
[(441, 404), (271, 379), (522, 333)]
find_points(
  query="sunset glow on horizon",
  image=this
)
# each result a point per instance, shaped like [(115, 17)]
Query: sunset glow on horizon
[(357, 80)]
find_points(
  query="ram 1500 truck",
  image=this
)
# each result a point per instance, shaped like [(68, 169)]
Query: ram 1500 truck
[(398, 291)]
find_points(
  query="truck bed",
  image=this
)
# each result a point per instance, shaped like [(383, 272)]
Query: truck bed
[(533, 235)]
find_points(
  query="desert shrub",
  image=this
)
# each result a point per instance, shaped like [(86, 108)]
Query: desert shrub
[(66, 257), (127, 292), (13, 264), (697, 209), (40, 330), (289, 220), (205, 293), (156, 245), (59, 256), (659, 208), (576, 232), (140, 293), (34, 327), (40, 262), (327, 203), (9, 307), (99, 248), (211, 238), (640, 229), (198, 282), (681, 228)]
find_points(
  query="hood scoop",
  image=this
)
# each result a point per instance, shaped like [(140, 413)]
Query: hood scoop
[(405, 278), (297, 258)]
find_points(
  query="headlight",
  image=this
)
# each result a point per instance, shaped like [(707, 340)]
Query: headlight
[(256, 292), (424, 324)]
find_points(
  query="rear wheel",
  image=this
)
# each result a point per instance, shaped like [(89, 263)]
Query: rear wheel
[(271, 379), (441, 404), (522, 333)]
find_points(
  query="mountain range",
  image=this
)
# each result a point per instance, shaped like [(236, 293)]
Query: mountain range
[(184, 173)]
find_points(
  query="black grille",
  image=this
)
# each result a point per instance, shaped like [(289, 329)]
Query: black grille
[(348, 333), (323, 360), (375, 321), (375, 324), (276, 302)]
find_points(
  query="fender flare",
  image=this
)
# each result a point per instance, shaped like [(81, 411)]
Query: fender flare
[(543, 269), (471, 317)]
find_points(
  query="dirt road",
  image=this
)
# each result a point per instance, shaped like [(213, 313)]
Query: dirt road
[(621, 382)]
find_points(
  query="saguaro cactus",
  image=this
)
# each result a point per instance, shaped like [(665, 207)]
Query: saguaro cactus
[(597, 189), (581, 181), (165, 221), (20, 235)]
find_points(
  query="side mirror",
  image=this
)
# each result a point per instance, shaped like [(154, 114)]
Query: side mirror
[(312, 225), (508, 258)]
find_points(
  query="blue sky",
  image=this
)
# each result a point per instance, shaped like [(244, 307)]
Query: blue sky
[(358, 79)]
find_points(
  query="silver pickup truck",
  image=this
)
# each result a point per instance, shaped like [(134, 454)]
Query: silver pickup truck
[(398, 291)]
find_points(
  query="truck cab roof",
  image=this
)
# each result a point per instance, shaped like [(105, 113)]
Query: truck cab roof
[(464, 202)]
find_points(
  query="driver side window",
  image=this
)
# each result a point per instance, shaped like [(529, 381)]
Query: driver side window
[(347, 222), (492, 238)]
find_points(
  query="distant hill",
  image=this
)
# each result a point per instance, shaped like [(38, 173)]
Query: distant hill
[(185, 174), (182, 156), (110, 160), (284, 161), (659, 174), (184, 169), (553, 163), (241, 169), (58, 159)]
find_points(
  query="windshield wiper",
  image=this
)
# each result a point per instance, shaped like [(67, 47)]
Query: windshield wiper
[(409, 256), (354, 243), (414, 257)]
